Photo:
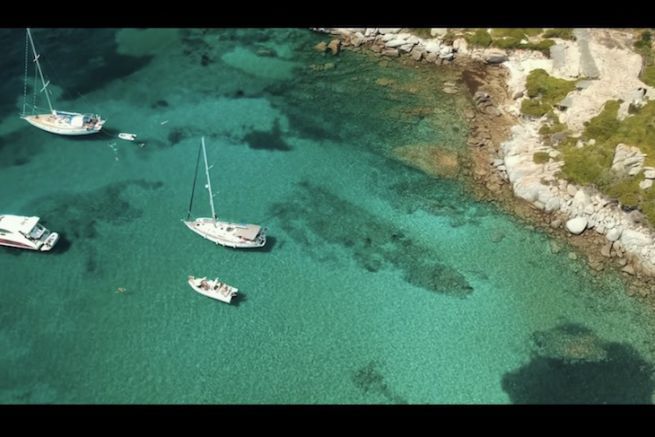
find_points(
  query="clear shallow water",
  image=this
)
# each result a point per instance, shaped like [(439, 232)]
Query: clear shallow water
[(379, 284)]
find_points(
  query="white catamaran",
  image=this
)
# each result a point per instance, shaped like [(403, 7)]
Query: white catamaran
[(220, 232), (25, 233), (56, 122)]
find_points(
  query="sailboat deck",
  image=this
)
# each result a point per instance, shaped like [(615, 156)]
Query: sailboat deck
[(228, 234), (57, 125), (48, 120)]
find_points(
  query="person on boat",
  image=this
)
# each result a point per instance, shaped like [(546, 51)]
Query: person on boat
[(204, 285)]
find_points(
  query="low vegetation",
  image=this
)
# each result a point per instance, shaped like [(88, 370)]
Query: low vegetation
[(540, 157), (544, 91), (513, 38), (562, 33), (644, 42), (535, 108), (479, 38), (644, 47), (591, 164), (515, 32), (552, 125), (648, 75)]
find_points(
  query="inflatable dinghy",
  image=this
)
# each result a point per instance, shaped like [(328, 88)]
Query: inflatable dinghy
[(126, 136)]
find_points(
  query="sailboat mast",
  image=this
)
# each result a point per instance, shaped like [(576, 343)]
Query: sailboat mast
[(193, 188), (38, 67), (209, 185)]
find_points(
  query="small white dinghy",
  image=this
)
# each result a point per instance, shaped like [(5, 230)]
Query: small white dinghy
[(214, 289), (126, 136)]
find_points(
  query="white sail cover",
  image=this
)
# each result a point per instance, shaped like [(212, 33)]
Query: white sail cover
[(77, 121), (248, 232)]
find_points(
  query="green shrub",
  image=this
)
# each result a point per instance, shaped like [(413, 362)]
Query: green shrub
[(544, 92), (508, 43), (534, 108), (562, 33), (626, 190), (511, 39), (542, 46), (633, 109), (635, 130), (648, 75), (591, 164), (605, 124), (550, 89), (540, 157), (644, 41), (515, 32), (552, 125), (582, 167), (648, 208), (480, 38)]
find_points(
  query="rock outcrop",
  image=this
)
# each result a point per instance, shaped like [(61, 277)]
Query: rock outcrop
[(628, 160), (614, 74)]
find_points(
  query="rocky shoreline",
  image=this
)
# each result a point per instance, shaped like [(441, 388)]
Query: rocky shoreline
[(503, 142)]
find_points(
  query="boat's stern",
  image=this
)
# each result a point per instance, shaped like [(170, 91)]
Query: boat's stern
[(99, 123), (49, 242), (95, 123), (260, 240)]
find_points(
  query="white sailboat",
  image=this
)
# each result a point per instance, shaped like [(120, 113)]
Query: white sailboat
[(57, 122), (224, 233)]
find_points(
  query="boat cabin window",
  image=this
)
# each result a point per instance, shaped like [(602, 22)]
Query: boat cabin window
[(37, 231), (66, 117), (229, 229)]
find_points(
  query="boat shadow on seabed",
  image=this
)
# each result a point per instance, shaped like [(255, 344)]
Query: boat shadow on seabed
[(268, 247), (239, 299), (104, 135), (62, 246)]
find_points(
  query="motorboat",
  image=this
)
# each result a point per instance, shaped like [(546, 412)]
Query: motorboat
[(26, 233)]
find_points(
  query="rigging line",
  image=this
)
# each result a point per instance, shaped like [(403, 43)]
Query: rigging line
[(38, 67), (193, 189), (26, 65), (57, 79), (104, 132), (52, 72), (34, 91)]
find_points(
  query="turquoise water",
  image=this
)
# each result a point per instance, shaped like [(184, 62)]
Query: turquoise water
[(379, 284)]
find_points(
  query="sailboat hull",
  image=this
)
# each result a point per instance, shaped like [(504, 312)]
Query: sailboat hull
[(53, 124), (228, 234)]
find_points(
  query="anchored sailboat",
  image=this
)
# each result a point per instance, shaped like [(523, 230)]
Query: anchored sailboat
[(220, 232), (56, 122)]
